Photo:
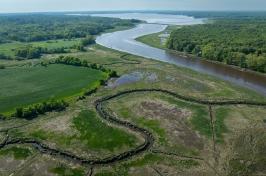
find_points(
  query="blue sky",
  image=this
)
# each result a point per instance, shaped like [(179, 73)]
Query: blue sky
[(87, 5)]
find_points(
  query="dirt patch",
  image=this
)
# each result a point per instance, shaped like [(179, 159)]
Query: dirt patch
[(61, 124), (40, 167), (173, 120), (142, 171), (8, 164)]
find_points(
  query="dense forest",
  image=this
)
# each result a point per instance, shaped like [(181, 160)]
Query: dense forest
[(28, 28), (239, 42)]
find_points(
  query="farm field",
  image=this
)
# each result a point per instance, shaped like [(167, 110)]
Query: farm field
[(30, 85)]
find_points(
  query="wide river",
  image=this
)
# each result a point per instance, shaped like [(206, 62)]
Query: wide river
[(125, 41)]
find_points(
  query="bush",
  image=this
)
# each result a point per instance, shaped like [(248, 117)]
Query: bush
[(113, 74), (88, 41), (4, 57)]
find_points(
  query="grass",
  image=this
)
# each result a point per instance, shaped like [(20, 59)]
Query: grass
[(200, 116), (147, 159), (105, 173), (155, 40), (8, 48), (98, 135), (18, 152), (88, 130), (64, 171), (24, 86), (152, 40), (151, 159), (41, 134), (155, 126), (220, 128)]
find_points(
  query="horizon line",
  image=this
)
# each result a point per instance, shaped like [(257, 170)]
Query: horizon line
[(137, 10)]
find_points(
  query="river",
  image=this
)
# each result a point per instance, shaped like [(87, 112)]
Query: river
[(125, 41)]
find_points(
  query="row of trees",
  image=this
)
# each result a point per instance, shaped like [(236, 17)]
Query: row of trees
[(35, 110), (70, 60), (239, 42), (31, 52)]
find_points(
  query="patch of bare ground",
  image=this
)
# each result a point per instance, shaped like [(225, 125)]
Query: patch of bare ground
[(142, 171), (164, 170), (61, 124), (174, 120), (8, 164), (40, 167)]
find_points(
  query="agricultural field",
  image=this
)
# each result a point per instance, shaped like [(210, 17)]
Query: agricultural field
[(29, 85)]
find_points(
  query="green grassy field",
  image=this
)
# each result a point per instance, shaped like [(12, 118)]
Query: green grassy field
[(8, 48), (25, 86), (99, 135)]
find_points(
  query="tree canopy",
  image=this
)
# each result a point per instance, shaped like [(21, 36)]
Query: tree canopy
[(239, 42), (32, 27)]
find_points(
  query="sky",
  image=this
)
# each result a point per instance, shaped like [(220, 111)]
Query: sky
[(7, 6)]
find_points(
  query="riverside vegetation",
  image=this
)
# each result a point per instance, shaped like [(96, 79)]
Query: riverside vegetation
[(97, 111), (239, 42), (233, 41)]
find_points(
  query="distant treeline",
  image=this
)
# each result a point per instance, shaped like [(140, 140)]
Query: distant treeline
[(29, 28), (239, 42)]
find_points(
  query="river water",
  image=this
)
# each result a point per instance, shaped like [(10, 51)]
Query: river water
[(125, 41)]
